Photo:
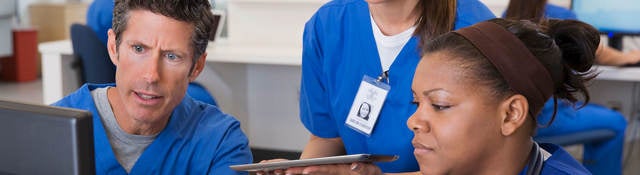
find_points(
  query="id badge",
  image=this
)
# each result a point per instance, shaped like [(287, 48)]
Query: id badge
[(367, 104)]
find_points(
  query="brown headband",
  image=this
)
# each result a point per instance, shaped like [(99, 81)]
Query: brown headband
[(523, 72)]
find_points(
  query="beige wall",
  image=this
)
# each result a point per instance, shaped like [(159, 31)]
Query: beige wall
[(23, 7), (53, 20)]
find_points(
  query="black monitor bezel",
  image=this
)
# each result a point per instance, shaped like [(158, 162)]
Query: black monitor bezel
[(83, 130)]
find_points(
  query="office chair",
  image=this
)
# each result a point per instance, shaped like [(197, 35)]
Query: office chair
[(91, 56)]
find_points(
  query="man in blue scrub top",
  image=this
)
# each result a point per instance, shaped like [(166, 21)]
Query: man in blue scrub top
[(144, 124), (339, 48)]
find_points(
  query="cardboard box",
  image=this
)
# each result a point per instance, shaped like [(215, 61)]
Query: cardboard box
[(53, 20)]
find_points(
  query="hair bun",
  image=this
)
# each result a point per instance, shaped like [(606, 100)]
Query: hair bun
[(577, 41)]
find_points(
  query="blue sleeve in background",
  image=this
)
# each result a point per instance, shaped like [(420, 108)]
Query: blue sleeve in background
[(557, 12), (315, 112), (99, 18), (470, 12)]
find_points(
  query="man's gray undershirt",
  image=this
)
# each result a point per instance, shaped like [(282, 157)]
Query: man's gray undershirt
[(127, 147)]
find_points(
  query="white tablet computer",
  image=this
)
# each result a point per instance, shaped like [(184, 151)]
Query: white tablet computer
[(315, 161)]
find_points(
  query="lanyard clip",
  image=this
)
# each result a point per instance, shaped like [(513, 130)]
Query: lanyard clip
[(384, 76)]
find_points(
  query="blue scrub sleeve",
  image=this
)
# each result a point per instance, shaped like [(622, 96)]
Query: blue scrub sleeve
[(99, 18), (233, 150), (557, 12), (470, 12), (315, 109)]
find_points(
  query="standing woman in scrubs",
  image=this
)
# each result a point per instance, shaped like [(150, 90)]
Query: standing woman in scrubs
[(602, 157), (348, 40)]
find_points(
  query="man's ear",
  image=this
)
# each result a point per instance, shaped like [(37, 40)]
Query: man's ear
[(514, 112), (111, 47), (198, 67)]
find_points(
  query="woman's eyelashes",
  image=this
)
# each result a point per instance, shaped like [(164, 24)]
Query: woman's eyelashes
[(439, 107), (436, 106), (415, 102)]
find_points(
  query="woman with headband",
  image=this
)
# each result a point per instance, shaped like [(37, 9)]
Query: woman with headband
[(602, 156), (479, 90)]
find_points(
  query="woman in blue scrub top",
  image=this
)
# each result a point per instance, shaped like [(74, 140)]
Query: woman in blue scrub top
[(603, 157), (478, 91), (346, 40), (539, 10)]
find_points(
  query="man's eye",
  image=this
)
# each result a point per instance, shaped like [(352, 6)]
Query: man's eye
[(171, 56), (138, 48)]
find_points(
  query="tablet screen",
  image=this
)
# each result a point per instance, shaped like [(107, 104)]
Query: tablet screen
[(315, 161)]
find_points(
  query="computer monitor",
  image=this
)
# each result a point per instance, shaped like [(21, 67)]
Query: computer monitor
[(616, 18), (218, 22), (610, 16), (38, 139)]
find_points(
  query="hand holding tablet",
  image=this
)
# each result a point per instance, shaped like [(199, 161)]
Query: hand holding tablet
[(367, 158)]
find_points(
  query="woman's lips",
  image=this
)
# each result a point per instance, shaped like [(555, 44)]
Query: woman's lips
[(420, 149)]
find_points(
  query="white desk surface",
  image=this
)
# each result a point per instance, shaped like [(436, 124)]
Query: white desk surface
[(57, 47), (55, 82), (283, 1), (631, 74), (223, 51), (220, 51)]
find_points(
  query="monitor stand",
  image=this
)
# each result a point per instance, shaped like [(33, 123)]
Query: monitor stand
[(615, 41)]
